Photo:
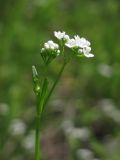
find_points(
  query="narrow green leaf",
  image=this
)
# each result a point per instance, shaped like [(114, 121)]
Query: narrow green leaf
[(36, 84), (42, 96)]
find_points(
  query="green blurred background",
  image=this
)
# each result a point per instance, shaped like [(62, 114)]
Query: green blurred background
[(82, 120)]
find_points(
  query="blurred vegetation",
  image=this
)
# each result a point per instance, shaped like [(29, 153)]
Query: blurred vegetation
[(82, 120)]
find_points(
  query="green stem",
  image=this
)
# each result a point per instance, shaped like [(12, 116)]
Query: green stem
[(40, 104), (37, 139), (55, 83), (42, 100)]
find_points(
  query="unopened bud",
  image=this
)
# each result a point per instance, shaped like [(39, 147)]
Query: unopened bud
[(35, 74), (35, 80)]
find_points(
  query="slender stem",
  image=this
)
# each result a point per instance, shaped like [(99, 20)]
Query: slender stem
[(55, 83), (42, 96), (37, 139), (37, 130), (41, 103)]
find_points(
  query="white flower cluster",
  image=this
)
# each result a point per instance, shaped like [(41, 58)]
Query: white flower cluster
[(50, 45), (81, 44)]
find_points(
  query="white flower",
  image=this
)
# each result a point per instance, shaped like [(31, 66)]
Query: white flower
[(77, 42), (71, 43), (61, 35), (86, 51), (81, 42), (46, 46), (50, 51), (50, 45)]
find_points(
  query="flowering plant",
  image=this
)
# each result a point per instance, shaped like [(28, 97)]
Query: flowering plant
[(80, 47)]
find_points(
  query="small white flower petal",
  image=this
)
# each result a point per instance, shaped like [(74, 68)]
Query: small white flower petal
[(61, 35), (56, 46), (66, 37), (86, 49), (89, 55), (51, 45), (71, 43), (46, 45), (50, 42), (83, 42), (86, 52), (77, 38)]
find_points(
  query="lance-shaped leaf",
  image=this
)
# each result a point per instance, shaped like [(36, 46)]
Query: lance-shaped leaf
[(35, 80), (42, 96)]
